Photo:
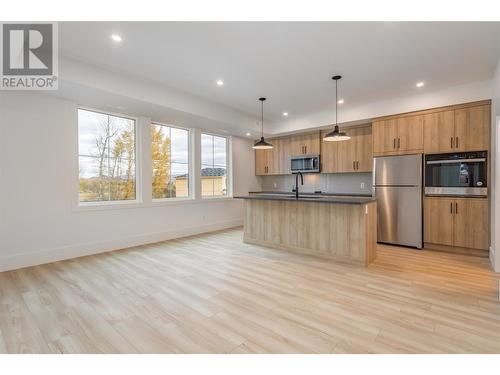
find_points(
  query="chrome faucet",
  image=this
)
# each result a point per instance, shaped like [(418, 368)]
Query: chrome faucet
[(296, 189)]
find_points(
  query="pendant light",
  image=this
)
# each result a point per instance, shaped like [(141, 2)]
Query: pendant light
[(262, 144), (336, 134)]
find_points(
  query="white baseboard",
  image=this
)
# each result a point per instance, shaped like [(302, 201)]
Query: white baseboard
[(74, 251)]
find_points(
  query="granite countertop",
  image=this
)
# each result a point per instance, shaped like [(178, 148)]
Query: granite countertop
[(311, 197)]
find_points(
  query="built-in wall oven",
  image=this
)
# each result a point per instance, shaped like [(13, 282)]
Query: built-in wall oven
[(456, 174), (304, 164)]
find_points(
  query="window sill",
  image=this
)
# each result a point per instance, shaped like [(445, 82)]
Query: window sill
[(100, 206), (170, 202), (89, 207)]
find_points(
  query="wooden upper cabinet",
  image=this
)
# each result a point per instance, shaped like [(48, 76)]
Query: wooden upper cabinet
[(312, 143), (274, 156), (472, 128), (364, 152), (385, 135), (261, 162), (305, 144), (438, 220), (347, 153), (353, 155), (410, 137), (284, 156), (439, 132), (329, 155), (463, 127), (398, 136), (471, 223), (274, 161)]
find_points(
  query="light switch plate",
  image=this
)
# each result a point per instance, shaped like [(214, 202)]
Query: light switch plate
[(362, 185)]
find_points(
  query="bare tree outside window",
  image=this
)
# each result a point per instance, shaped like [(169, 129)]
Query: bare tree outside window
[(106, 153)]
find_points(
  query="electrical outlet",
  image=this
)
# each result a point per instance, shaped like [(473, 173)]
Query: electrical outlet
[(275, 185), (362, 186)]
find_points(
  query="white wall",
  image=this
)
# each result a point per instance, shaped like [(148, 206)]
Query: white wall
[(495, 168), (423, 99), (38, 220)]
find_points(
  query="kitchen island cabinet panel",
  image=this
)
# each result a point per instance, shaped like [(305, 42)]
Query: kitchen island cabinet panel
[(345, 232)]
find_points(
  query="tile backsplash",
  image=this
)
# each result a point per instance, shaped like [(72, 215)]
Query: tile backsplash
[(343, 183)]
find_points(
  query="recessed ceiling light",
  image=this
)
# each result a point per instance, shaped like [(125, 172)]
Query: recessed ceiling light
[(419, 84), (116, 37), (285, 114), (220, 82), (248, 134), (341, 101)]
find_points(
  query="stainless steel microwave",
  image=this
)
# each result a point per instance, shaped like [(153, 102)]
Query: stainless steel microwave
[(304, 164), (462, 173)]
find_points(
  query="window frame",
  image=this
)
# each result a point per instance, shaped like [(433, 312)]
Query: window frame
[(229, 174), (191, 182), (138, 163)]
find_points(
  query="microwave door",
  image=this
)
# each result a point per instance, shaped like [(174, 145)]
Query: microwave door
[(297, 164), (308, 164)]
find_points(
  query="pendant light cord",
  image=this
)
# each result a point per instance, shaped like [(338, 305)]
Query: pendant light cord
[(262, 116), (336, 103)]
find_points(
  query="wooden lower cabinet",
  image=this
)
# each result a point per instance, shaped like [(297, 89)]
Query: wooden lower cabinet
[(459, 222), (438, 220), (471, 223)]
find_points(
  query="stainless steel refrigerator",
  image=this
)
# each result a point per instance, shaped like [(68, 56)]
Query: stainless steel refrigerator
[(397, 184)]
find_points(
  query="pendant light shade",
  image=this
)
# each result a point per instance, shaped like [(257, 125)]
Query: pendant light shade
[(336, 134), (262, 144)]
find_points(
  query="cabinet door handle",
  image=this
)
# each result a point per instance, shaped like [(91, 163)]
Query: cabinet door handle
[(451, 208), (305, 147), (451, 142), (354, 165), (394, 143), (357, 165), (456, 142), (456, 208), (399, 142)]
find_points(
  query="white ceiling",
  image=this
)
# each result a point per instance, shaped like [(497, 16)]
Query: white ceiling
[(290, 63)]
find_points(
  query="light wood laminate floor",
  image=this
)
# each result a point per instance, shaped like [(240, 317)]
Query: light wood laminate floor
[(214, 294)]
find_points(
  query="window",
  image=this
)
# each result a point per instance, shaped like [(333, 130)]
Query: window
[(106, 156), (214, 162), (170, 160)]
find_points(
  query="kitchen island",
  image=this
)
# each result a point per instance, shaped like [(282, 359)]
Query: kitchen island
[(340, 228)]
